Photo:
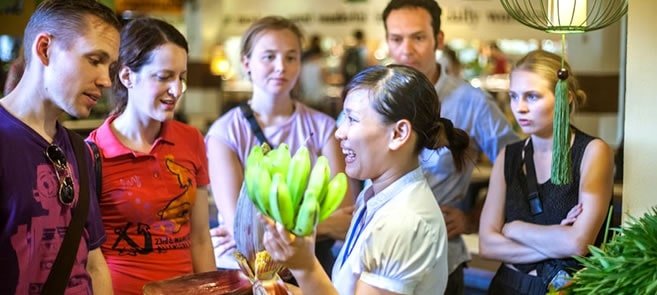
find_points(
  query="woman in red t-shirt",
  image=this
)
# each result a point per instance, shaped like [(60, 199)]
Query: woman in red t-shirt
[(154, 203)]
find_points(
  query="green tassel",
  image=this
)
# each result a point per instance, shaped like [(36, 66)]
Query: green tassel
[(561, 168)]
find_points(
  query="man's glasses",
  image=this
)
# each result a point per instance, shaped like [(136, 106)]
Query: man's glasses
[(56, 156)]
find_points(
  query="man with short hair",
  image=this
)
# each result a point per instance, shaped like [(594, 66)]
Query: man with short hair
[(413, 34), (69, 47)]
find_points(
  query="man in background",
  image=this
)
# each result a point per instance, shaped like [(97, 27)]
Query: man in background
[(413, 34)]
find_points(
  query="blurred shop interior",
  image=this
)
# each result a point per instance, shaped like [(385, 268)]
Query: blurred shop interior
[(482, 42)]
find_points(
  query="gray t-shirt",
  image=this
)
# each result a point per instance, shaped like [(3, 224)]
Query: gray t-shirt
[(233, 129)]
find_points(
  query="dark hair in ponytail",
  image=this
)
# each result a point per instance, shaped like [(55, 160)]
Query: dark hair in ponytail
[(443, 134), (399, 92)]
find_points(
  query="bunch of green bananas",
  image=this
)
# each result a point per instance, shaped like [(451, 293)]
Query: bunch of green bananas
[(285, 188)]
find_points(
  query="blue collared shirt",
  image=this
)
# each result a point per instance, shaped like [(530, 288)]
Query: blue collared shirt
[(477, 114)]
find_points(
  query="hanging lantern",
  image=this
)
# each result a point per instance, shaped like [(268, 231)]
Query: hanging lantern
[(563, 17), (566, 16)]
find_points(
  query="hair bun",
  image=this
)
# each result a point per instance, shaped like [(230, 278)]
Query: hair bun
[(447, 123)]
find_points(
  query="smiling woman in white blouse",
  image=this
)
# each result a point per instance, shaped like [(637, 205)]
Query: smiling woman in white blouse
[(397, 242)]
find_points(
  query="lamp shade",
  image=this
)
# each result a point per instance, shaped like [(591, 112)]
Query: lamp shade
[(566, 16)]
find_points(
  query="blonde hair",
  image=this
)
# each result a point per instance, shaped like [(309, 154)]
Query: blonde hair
[(270, 23), (546, 65), (267, 23)]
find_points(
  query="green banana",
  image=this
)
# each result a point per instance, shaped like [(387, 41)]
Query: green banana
[(335, 192), (266, 162), (263, 183), (297, 174), (308, 216), (287, 209), (281, 204), (250, 177), (254, 157), (273, 199), (319, 178), (280, 159)]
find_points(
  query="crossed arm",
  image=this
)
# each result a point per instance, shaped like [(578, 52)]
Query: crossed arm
[(522, 242)]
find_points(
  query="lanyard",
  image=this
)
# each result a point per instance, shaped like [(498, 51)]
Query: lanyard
[(351, 242)]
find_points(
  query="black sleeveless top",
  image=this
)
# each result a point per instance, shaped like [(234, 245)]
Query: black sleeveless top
[(557, 199)]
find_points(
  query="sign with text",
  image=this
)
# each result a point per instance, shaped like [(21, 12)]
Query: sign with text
[(467, 19), (168, 6)]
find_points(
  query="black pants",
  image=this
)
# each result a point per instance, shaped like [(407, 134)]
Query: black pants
[(507, 282), (455, 281), (325, 255)]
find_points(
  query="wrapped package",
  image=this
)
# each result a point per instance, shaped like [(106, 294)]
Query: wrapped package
[(261, 278), (229, 281), (263, 273)]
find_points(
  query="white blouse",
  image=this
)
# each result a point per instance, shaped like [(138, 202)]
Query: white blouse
[(398, 242)]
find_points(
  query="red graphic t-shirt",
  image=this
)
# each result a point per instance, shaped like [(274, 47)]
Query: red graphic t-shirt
[(146, 204)]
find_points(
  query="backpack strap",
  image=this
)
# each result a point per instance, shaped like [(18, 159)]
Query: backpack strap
[(61, 269), (533, 197), (248, 114), (98, 166)]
